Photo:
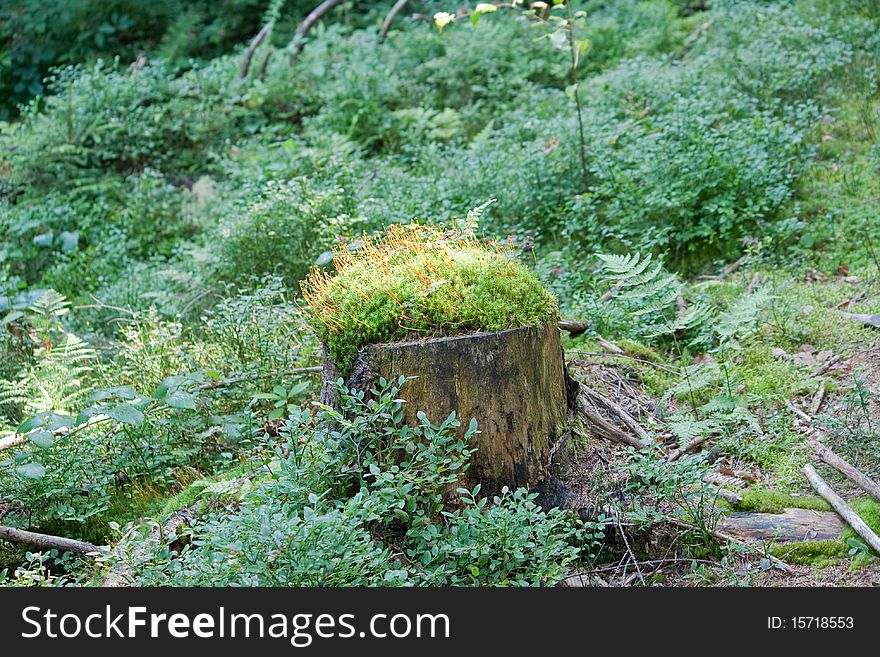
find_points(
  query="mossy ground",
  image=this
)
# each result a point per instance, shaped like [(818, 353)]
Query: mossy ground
[(770, 501), (419, 282)]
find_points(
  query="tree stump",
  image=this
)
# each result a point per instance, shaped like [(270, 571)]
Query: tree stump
[(513, 382)]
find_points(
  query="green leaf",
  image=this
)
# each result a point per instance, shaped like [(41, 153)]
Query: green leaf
[(276, 414), (181, 399), (43, 439), (11, 317), (127, 414), (31, 470), (121, 392)]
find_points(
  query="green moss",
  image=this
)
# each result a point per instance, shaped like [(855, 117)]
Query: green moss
[(417, 282), (810, 553), (771, 501), (639, 350), (869, 511)]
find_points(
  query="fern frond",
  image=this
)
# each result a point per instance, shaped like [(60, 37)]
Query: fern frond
[(50, 304)]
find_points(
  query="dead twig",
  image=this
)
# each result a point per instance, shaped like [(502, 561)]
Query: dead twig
[(868, 320), (727, 538), (625, 417)]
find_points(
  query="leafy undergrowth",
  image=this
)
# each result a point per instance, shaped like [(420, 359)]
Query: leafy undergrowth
[(157, 220)]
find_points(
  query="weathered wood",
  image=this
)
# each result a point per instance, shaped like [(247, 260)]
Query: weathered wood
[(864, 482), (121, 575), (676, 454), (513, 382), (48, 542), (868, 320), (572, 327), (842, 508), (791, 525)]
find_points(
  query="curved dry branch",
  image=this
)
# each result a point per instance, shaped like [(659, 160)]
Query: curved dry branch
[(386, 25), (306, 26), (252, 48)]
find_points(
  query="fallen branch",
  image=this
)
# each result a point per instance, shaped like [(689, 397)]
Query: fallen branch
[(610, 293), (728, 495), (850, 471), (604, 429), (753, 283), (386, 24), (13, 441), (626, 418), (794, 409), (49, 542), (211, 385), (818, 399), (842, 508), (727, 538), (121, 574), (676, 454), (306, 26), (610, 346), (573, 328)]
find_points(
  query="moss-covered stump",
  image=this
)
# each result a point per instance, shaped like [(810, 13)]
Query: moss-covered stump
[(513, 382)]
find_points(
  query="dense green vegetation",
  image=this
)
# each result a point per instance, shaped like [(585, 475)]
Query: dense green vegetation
[(158, 211)]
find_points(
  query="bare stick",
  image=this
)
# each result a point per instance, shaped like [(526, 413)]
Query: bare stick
[(725, 494), (306, 26), (610, 347), (842, 508), (386, 25), (573, 328), (120, 576), (610, 293), (49, 542), (605, 429), (753, 284), (818, 399), (627, 419), (854, 475), (676, 454), (252, 48), (794, 409)]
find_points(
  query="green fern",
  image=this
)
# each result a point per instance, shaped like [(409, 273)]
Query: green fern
[(56, 382)]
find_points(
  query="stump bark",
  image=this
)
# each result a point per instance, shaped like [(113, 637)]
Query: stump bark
[(513, 382)]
